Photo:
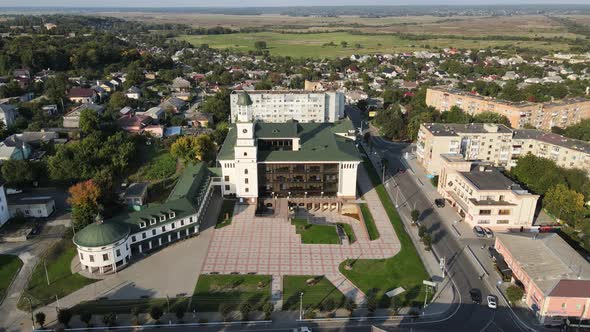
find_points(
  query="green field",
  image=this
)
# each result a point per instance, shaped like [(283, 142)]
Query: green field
[(377, 276), (313, 295), (213, 290), (312, 45), (315, 234), (61, 280), (9, 267)]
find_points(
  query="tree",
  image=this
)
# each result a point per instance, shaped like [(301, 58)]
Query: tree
[(491, 117), (427, 240), (455, 115), (118, 100), (19, 173), (89, 121), (84, 193), (564, 203), (344, 44), (422, 230), (179, 312), (245, 309), (350, 305), (263, 85), (64, 316), (109, 319), (514, 293), (225, 309), (40, 318), (86, 317), (268, 308), (415, 214), (328, 305), (579, 131), (156, 313), (193, 148), (260, 45)]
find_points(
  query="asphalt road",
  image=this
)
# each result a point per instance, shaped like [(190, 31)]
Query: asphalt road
[(470, 316)]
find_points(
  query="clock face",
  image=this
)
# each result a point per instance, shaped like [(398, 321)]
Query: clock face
[(245, 131)]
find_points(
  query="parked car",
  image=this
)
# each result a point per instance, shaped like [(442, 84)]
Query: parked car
[(488, 232), (302, 329), (479, 231), (440, 202), (36, 230), (475, 295), (492, 301)]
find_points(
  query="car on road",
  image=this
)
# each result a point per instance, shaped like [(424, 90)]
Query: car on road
[(492, 301), (475, 295), (479, 231), (488, 232), (302, 329), (440, 202)]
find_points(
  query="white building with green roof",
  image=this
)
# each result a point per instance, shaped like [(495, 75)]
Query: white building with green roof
[(108, 245), (290, 159)]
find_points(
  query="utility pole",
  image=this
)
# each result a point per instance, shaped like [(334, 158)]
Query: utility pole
[(46, 274), (301, 306), (442, 266)]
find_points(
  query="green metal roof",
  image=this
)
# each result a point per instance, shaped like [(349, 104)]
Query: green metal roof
[(343, 126), (101, 234), (244, 99), (188, 182), (318, 142), (276, 130)]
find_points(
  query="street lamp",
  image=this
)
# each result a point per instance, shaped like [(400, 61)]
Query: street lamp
[(301, 306), (31, 308)]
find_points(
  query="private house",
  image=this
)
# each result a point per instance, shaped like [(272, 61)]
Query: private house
[(30, 205), (174, 105), (555, 278), (8, 114), (133, 123), (136, 195), (72, 118), (157, 113), (82, 95), (200, 119), (306, 160), (483, 196), (133, 93), (4, 213), (154, 130), (179, 84), (106, 246)]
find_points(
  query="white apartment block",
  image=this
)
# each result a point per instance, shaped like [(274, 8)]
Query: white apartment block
[(484, 196), (497, 145), (281, 106)]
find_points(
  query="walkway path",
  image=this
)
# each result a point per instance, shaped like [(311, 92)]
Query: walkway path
[(271, 246)]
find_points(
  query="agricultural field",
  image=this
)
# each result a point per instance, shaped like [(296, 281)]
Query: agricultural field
[(318, 45)]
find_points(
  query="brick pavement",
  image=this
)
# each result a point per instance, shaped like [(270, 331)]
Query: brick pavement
[(271, 246)]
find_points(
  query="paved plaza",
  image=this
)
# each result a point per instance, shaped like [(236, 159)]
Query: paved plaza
[(270, 246)]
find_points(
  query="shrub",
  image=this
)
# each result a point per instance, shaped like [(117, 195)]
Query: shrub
[(179, 312), (415, 215), (245, 309), (514, 293), (109, 319), (434, 181), (350, 305), (268, 308), (40, 318), (86, 317), (422, 231), (156, 313), (225, 310), (64, 316)]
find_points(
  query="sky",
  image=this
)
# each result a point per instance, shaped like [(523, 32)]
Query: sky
[(265, 3)]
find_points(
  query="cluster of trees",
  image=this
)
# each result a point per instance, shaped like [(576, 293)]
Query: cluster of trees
[(579, 131), (194, 148), (565, 191)]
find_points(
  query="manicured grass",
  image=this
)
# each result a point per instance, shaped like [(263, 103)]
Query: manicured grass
[(213, 290), (313, 295), (377, 276), (9, 267), (100, 307), (227, 208), (62, 282), (369, 222), (349, 232), (314, 45), (315, 234)]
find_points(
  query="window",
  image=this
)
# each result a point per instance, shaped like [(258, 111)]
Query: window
[(163, 228), (226, 178), (81, 256), (504, 212), (105, 257), (118, 253), (91, 257), (153, 232), (133, 238), (246, 190), (246, 171), (143, 235), (483, 222), (142, 224), (182, 222), (246, 180), (226, 187), (502, 222), (245, 154), (485, 212), (173, 226), (501, 199)]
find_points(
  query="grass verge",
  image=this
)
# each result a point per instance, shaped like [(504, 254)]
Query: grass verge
[(226, 213), (377, 276), (61, 280), (9, 267), (369, 222), (101, 307), (315, 296), (315, 234), (349, 232), (213, 290)]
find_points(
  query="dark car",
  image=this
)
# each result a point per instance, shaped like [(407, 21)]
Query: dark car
[(475, 295), (440, 202)]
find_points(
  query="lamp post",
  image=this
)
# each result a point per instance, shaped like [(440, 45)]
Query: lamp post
[(31, 308), (301, 306)]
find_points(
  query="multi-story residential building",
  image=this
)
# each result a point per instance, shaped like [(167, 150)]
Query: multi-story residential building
[(556, 279), (106, 246), (484, 196), (497, 144), (291, 159), (280, 106), (561, 113)]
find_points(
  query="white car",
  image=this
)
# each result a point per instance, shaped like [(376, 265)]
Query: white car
[(492, 301), (302, 329), (489, 233)]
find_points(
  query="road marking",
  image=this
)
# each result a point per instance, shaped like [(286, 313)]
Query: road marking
[(490, 322)]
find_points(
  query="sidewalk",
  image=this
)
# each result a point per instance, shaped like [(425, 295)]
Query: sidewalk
[(444, 297)]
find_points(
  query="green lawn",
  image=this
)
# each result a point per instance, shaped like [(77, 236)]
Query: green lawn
[(314, 45), (213, 290), (315, 234), (377, 276), (369, 222), (62, 281), (100, 307), (349, 232), (313, 295), (9, 267), (227, 208)]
